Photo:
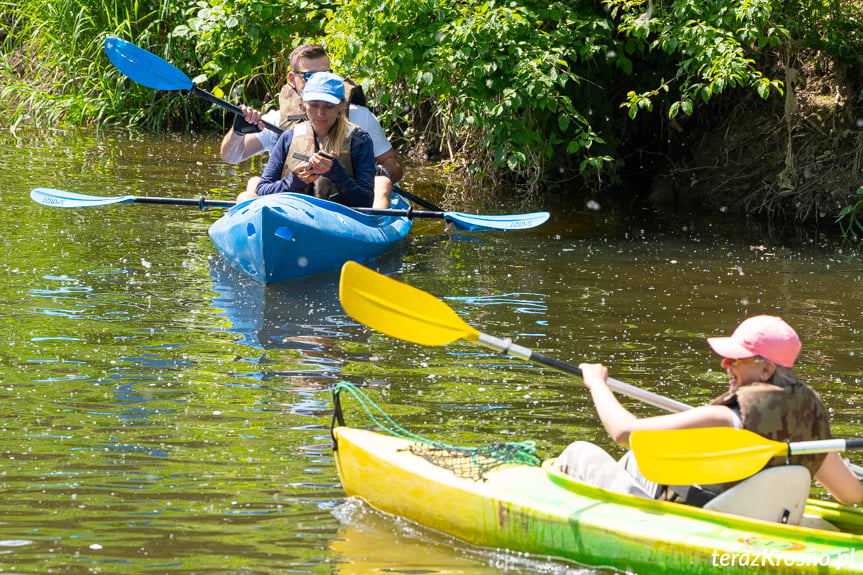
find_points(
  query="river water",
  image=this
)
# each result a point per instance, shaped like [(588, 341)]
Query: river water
[(161, 413)]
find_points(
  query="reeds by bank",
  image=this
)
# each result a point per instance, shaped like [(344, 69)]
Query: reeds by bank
[(54, 72)]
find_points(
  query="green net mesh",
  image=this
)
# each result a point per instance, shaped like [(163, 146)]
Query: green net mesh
[(467, 462)]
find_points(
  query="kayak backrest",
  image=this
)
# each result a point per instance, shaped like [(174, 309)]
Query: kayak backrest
[(776, 494)]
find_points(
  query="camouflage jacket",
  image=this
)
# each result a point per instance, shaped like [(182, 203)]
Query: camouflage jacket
[(793, 413)]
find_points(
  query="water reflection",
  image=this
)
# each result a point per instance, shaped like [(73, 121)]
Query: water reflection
[(372, 543), (303, 314), (160, 415)]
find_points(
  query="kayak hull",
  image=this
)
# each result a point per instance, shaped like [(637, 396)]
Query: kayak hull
[(280, 237), (533, 510)]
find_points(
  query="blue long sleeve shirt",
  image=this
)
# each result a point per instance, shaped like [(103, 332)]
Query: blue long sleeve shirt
[(357, 191)]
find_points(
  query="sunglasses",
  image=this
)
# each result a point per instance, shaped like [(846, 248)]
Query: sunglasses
[(737, 361), (307, 75)]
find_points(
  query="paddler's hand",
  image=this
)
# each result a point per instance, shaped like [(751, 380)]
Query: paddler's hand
[(249, 123), (322, 165), (593, 374), (306, 173)]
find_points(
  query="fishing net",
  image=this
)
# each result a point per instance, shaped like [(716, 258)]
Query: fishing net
[(466, 462)]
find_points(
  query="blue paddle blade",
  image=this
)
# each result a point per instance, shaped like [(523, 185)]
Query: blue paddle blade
[(63, 199), (477, 222), (144, 67)]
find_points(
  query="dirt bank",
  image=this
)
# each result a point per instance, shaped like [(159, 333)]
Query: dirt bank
[(796, 157)]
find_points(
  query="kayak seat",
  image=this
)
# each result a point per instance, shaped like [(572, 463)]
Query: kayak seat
[(817, 522), (776, 494)]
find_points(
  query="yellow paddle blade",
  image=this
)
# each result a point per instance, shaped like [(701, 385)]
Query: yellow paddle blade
[(399, 310), (704, 455)]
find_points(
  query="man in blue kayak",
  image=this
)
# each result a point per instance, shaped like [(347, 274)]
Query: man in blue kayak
[(248, 136), (764, 396)]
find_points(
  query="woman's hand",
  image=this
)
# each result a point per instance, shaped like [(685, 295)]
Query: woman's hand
[(594, 374), (305, 173), (320, 163)]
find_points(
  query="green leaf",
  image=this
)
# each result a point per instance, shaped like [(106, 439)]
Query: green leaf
[(686, 106), (563, 122)]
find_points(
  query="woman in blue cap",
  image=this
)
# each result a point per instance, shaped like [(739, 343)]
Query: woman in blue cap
[(326, 155)]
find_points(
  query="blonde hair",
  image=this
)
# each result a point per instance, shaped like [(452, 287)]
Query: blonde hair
[(337, 133)]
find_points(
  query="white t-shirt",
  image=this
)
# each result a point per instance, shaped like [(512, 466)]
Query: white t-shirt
[(359, 115)]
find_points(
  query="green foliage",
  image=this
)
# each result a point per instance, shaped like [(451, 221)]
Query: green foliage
[(54, 70), (707, 48), (245, 44), (498, 77), (833, 26), (530, 90), (849, 223)]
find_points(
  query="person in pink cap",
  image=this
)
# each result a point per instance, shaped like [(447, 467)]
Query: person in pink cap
[(764, 396)]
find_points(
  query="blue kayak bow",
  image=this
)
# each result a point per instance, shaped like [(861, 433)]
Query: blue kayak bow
[(467, 222), (149, 70)]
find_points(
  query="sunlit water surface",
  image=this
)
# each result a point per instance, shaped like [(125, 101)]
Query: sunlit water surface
[(161, 413)]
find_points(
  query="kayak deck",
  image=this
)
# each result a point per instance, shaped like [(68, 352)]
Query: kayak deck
[(280, 237), (528, 509)]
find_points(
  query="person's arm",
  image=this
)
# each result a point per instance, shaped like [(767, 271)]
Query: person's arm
[(839, 480), (272, 181), (385, 155), (358, 191), (620, 423), (237, 147), (392, 164)]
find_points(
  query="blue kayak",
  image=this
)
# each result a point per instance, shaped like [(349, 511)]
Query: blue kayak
[(282, 237)]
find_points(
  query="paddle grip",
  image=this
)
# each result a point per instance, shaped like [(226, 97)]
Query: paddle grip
[(647, 397), (555, 363)]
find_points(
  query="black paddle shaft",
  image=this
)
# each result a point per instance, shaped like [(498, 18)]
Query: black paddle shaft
[(203, 203), (228, 106)]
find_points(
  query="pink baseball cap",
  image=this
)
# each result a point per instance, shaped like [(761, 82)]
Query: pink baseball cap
[(765, 335)]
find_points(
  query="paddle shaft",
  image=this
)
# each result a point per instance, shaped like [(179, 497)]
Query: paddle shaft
[(823, 446), (204, 203), (228, 106), (199, 202), (507, 347)]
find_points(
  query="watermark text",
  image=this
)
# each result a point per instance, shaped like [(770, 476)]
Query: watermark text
[(773, 558)]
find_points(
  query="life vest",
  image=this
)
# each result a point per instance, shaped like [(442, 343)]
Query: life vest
[(291, 109), (793, 413), (304, 144)]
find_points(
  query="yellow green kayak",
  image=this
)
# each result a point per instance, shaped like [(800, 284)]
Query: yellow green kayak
[(536, 510)]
